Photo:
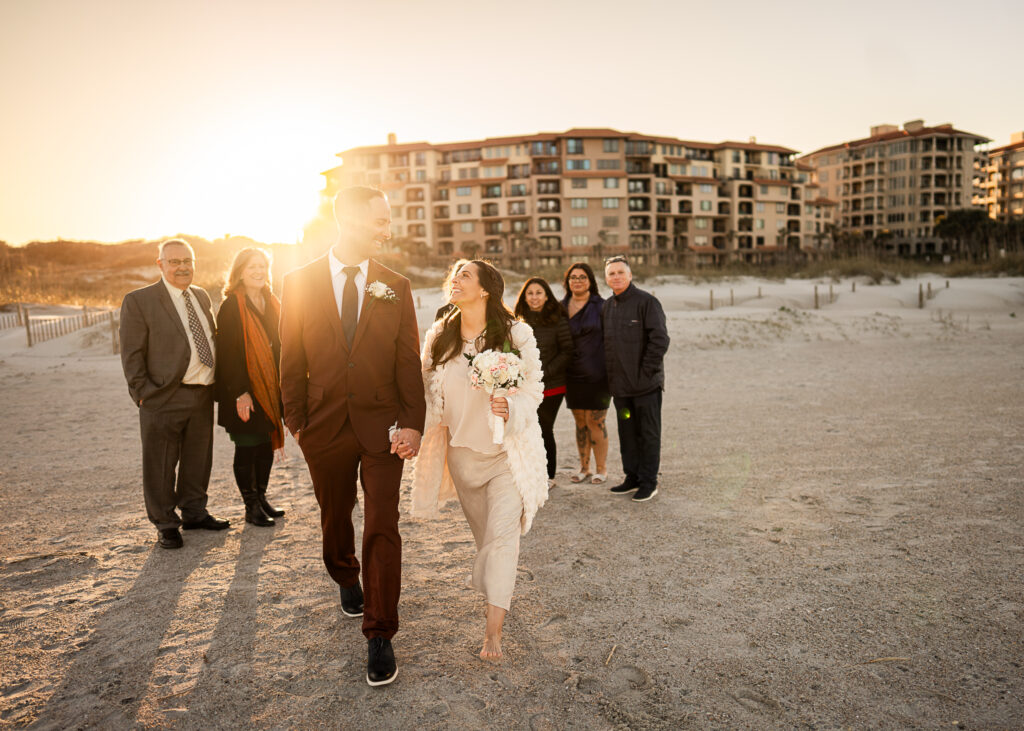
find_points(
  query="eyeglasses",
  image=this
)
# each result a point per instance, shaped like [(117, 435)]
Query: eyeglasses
[(615, 259), (179, 262), (580, 278)]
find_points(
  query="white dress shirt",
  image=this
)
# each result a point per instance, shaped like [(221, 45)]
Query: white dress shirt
[(339, 279), (197, 373)]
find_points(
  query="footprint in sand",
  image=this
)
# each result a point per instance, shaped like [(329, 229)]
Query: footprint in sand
[(754, 701), (542, 722), (552, 620), (501, 680), (626, 678)]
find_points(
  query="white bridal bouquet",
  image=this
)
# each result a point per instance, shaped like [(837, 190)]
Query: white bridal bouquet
[(499, 373)]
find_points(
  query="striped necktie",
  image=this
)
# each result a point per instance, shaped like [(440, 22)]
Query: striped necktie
[(198, 334)]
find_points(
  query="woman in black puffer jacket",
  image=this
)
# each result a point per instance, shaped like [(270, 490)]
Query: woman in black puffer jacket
[(537, 307)]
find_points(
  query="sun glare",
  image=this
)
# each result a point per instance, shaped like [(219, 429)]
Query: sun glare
[(252, 177)]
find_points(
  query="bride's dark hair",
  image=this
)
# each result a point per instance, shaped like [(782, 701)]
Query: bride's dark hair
[(448, 343)]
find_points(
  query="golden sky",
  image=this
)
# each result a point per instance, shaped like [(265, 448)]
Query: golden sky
[(139, 119)]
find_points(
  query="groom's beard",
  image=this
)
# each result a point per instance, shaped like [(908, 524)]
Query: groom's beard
[(361, 246)]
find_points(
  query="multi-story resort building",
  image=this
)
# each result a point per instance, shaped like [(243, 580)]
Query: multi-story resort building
[(893, 186), (999, 184), (548, 199)]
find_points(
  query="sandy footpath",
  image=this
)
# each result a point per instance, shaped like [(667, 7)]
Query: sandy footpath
[(838, 542)]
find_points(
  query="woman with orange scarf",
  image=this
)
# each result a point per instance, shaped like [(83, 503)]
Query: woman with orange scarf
[(247, 382)]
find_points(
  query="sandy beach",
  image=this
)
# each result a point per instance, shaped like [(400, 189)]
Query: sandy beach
[(837, 543)]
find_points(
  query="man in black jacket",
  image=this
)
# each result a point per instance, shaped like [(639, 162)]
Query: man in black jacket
[(635, 342)]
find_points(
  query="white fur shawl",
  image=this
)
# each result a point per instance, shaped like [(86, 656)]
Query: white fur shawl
[(524, 446)]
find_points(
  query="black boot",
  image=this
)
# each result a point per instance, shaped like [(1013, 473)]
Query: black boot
[(269, 509), (254, 514), (245, 477), (264, 461)]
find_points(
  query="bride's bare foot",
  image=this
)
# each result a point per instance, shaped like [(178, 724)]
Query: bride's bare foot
[(492, 648), (492, 637)]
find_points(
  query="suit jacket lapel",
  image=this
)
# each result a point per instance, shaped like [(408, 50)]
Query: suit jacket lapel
[(372, 275), (326, 296), (165, 299)]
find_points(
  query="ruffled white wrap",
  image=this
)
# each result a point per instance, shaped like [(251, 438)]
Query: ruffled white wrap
[(524, 446)]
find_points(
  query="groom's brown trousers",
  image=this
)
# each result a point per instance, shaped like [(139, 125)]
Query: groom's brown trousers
[(334, 469)]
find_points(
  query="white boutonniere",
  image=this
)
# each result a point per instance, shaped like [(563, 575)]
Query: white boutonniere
[(380, 291)]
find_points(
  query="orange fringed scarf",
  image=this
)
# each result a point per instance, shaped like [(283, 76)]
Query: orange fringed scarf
[(259, 362)]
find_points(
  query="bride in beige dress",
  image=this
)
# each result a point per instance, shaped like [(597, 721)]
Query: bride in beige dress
[(500, 486)]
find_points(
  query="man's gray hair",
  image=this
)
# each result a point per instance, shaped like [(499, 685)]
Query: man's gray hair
[(617, 259), (177, 242)]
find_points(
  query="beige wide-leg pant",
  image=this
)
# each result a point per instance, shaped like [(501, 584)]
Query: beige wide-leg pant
[(494, 509)]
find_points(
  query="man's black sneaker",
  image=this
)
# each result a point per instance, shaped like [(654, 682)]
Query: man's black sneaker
[(381, 667), (623, 488), (644, 494), (352, 600)]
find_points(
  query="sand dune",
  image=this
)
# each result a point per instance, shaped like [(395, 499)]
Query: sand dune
[(837, 543)]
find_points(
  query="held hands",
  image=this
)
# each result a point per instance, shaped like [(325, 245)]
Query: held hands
[(405, 443), (243, 404), (499, 406)]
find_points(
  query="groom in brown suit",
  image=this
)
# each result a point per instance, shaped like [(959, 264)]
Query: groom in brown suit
[(353, 398)]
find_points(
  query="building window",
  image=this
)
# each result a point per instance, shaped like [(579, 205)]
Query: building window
[(759, 223), (463, 190), (705, 188), (489, 209), (574, 146), (521, 226), (465, 208), (548, 187), (759, 207), (550, 224), (517, 189), (441, 212), (416, 213), (421, 158), (700, 222), (609, 221), (421, 176), (577, 164), (579, 183), (517, 208), (467, 227), (611, 145), (580, 221), (577, 202), (418, 230), (609, 203), (492, 191), (705, 205), (609, 164), (580, 240), (611, 182)]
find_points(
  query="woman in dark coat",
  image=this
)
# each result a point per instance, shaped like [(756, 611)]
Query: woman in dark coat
[(586, 381), (537, 307), (247, 382)]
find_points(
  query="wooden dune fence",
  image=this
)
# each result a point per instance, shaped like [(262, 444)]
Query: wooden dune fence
[(41, 329)]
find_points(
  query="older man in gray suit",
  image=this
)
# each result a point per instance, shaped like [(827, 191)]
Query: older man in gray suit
[(167, 351)]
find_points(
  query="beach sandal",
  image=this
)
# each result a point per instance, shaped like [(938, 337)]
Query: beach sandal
[(599, 478), (580, 477)]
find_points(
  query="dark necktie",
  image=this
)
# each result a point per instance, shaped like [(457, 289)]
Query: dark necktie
[(350, 304), (198, 335)]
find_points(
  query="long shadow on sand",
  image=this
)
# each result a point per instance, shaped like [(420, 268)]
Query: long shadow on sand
[(107, 679), (227, 678)]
